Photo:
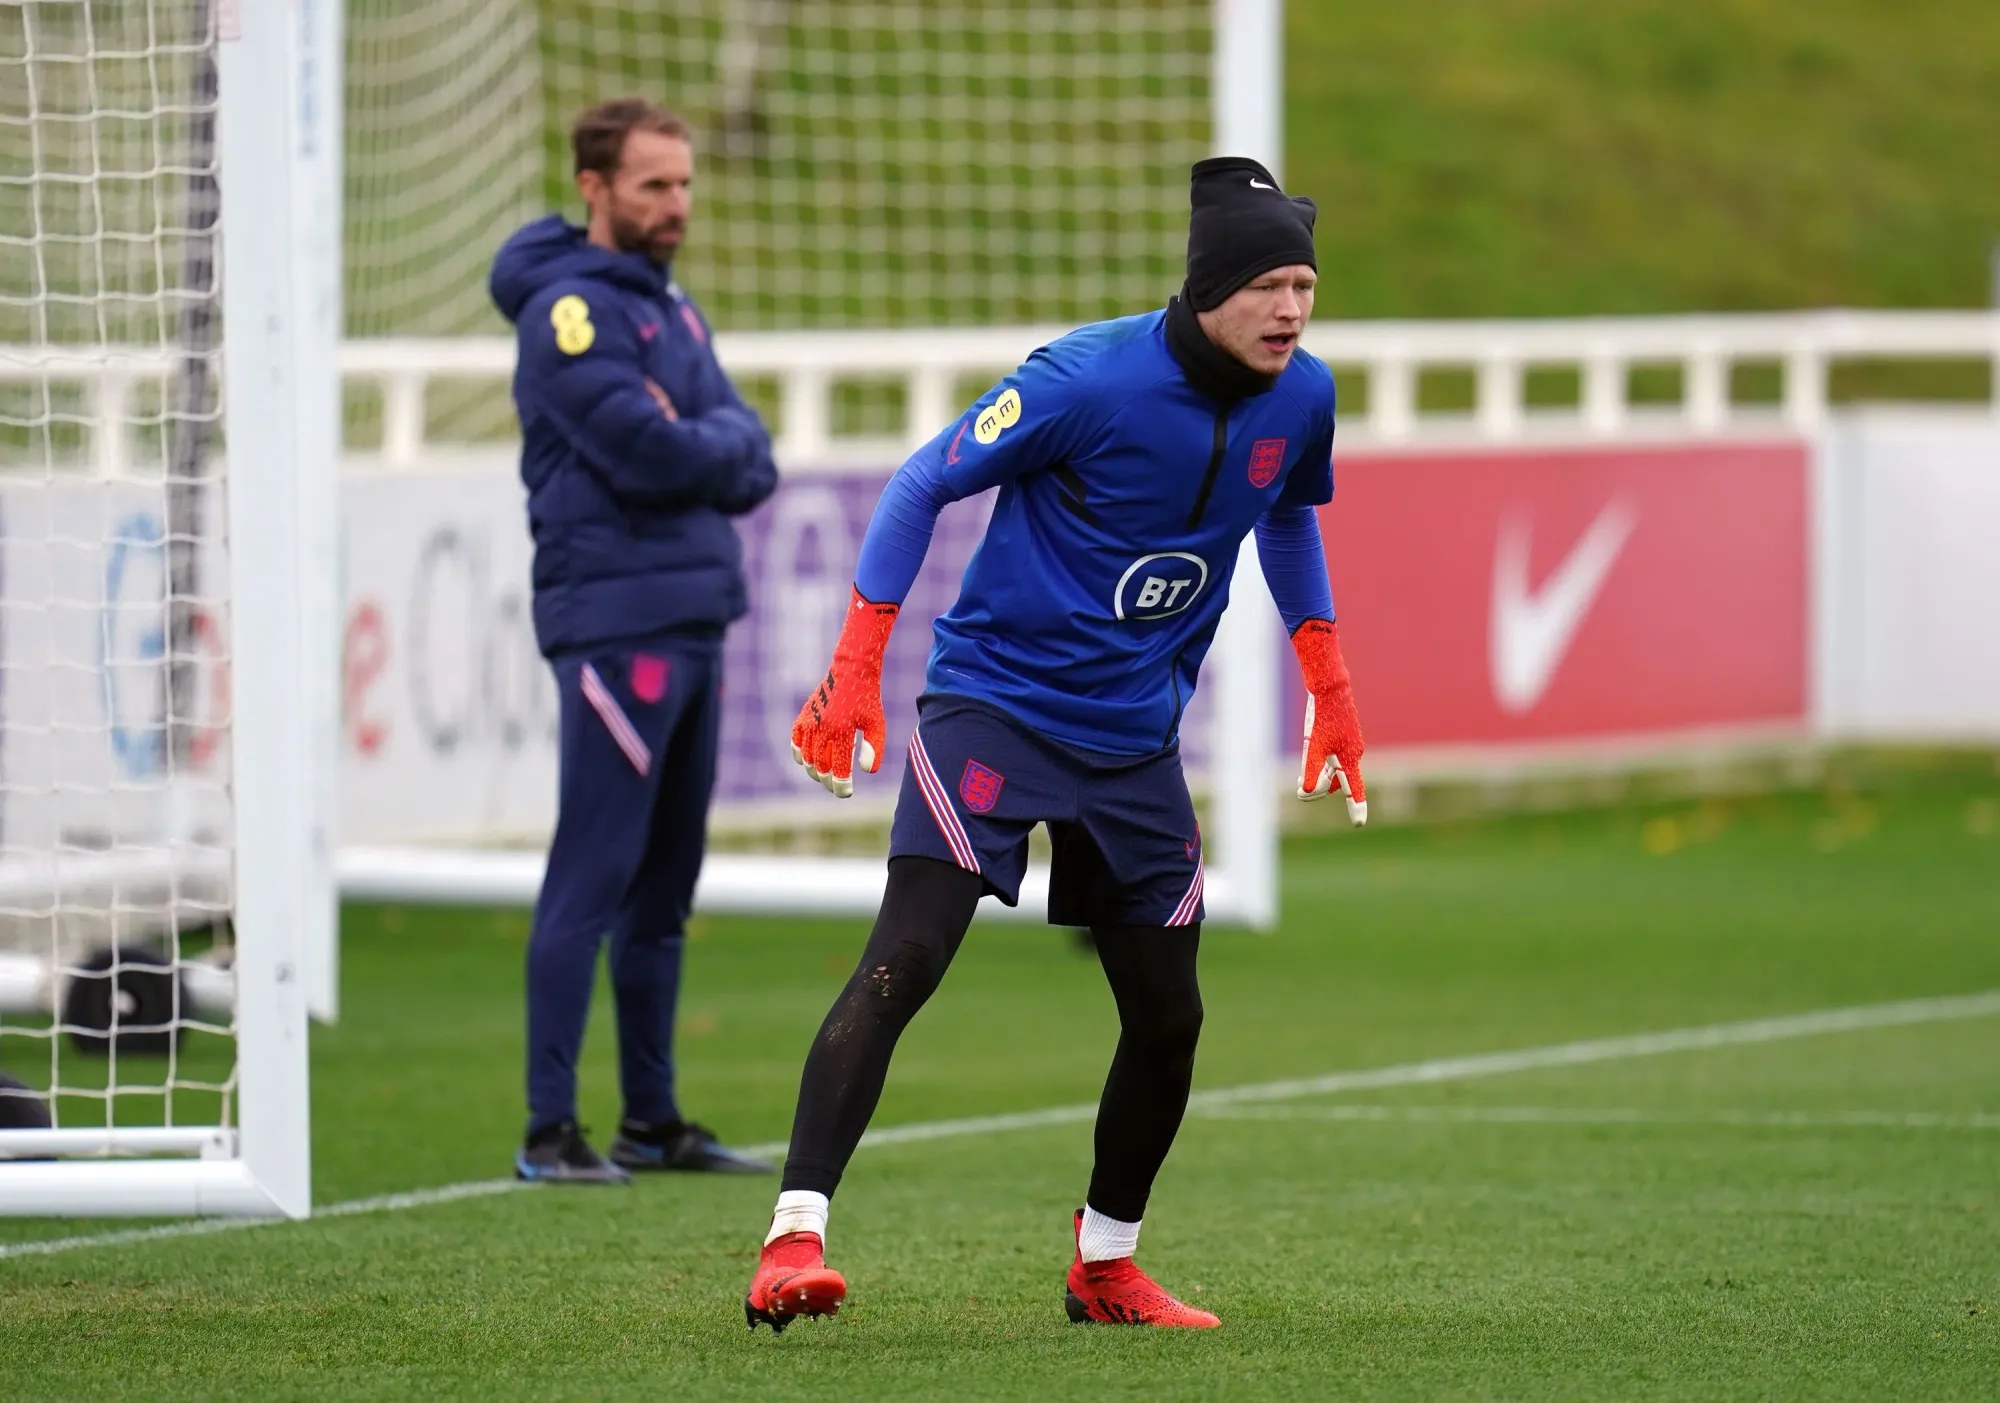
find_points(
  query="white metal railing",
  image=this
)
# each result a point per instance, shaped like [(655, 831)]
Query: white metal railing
[(1392, 355)]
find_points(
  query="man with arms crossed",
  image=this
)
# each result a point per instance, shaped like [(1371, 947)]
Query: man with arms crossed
[(1131, 457), (636, 452)]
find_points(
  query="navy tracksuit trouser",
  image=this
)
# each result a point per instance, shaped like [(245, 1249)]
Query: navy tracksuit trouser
[(639, 725)]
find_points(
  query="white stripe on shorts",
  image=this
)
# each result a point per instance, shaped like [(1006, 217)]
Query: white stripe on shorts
[(1191, 903), (939, 801)]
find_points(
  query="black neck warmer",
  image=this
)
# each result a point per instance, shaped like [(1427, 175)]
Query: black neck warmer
[(1208, 367)]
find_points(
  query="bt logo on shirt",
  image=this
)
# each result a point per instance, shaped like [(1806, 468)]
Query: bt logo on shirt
[(1155, 586)]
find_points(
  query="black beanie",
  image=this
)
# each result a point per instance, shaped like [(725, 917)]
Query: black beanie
[(1241, 224)]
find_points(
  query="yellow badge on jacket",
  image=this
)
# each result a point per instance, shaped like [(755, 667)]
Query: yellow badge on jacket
[(571, 319)]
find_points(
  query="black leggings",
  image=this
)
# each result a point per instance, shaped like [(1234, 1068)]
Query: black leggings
[(924, 916)]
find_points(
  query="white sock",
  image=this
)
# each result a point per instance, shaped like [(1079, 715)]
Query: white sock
[(1106, 1239), (801, 1210)]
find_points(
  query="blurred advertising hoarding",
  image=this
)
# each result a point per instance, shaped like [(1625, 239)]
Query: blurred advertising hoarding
[(1491, 597), (1485, 598), (1493, 603), (449, 726)]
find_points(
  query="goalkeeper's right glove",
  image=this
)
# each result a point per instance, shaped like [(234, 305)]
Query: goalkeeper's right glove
[(847, 706)]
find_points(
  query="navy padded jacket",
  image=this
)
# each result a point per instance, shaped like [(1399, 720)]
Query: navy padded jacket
[(630, 510)]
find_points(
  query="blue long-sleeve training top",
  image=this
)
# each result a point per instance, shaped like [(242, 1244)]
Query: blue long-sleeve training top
[(1125, 494)]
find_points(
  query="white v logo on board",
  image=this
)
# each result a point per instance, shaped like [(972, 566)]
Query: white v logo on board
[(1531, 630)]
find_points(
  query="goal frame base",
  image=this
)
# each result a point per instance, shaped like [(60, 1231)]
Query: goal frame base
[(227, 1188), (756, 884)]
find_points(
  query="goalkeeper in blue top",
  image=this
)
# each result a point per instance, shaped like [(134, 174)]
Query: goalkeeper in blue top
[(1132, 458)]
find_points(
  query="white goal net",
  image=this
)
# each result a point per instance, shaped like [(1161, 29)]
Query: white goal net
[(120, 652), (899, 163), (896, 163)]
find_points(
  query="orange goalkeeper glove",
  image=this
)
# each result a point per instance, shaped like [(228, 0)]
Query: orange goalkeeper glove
[(1333, 746), (847, 706)]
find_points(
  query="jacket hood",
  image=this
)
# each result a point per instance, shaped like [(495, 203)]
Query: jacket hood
[(551, 250)]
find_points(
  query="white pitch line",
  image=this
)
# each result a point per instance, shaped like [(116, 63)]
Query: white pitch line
[(1610, 1115), (200, 1227), (1904, 1013), (1487, 1064)]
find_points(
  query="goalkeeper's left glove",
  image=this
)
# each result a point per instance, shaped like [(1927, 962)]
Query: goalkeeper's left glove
[(1333, 728), (847, 706)]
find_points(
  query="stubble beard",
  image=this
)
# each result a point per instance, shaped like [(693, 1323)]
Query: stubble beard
[(659, 243)]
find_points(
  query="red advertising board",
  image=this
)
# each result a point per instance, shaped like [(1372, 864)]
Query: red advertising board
[(1543, 594)]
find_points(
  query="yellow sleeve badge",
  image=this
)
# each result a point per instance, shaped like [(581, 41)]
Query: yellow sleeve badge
[(571, 319)]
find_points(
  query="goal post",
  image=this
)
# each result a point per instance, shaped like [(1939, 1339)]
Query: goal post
[(272, 738), (316, 168), (1248, 79), (116, 115)]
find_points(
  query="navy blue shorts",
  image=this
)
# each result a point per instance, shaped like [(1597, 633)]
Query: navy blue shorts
[(1127, 849)]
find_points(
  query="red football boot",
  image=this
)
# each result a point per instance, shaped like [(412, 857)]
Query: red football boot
[(1118, 1293), (792, 1280)]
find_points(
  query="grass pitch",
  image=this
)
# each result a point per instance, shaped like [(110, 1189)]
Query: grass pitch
[(1809, 1217)]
